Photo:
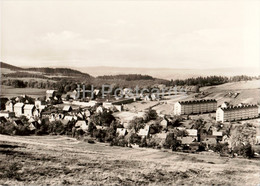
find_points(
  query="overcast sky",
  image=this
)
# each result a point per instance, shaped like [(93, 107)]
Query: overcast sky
[(170, 34)]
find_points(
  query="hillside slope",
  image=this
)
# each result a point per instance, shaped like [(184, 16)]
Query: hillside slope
[(10, 69)]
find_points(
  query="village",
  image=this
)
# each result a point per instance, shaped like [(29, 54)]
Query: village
[(177, 121)]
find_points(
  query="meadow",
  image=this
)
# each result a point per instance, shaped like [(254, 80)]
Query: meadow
[(59, 160)]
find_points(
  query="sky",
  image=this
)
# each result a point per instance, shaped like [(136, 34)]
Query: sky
[(145, 33)]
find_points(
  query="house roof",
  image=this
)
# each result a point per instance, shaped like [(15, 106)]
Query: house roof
[(190, 102), (216, 133), (64, 121), (192, 132), (18, 122), (19, 105), (69, 118), (9, 102), (207, 126), (79, 123), (50, 91), (210, 140), (239, 107), (28, 106), (3, 119), (161, 135), (186, 140), (31, 120), (67, 108)]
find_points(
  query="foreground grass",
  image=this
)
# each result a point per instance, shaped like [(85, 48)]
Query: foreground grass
[(60, 160)]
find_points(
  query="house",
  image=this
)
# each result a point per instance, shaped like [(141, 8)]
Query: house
[(19, 109), (161, 135), (82, 124), (236, 113), (195, 106), (99, 109), (50, 93), (7, 114), (87, 113), (33, 125), (210, 140), (144, 132), (18, 122), (207, 127), (121, 131), (36, 112), (216, 133), (192, 132), (101, 127), (67, 108), (70, 118), (29, 110), (258, 135), (164, 123), (187, 140), (39, 104), (9, 106), (118, 107)]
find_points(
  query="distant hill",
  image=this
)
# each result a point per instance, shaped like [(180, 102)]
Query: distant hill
[(43, 71), (127, 77), (8, 66), (169, 73)]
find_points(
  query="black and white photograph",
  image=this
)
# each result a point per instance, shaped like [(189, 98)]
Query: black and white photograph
[(130, 92)]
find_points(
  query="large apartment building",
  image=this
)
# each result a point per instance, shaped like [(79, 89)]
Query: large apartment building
[(235, 113), (195, 106)]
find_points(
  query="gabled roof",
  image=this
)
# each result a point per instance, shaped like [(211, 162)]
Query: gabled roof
[(18, 122), (28, 107)]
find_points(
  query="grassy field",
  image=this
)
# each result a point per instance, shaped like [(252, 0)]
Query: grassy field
[(248, 92), (58, 160), (9, 92)]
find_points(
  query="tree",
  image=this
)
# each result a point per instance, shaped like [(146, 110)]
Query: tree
[(137, 123), (171, 142), (91, 127), (150, 115)]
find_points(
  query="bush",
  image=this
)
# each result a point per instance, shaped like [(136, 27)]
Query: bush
[(220, 147), (119, 141), (244, 150), (22, 130), (134, 138), (153, 143)]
